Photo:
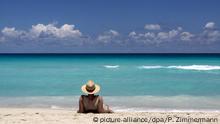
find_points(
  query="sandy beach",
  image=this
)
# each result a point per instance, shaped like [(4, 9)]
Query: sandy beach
[(58, 116)]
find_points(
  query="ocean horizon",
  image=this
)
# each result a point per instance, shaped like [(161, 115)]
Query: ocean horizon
[(129, 82)]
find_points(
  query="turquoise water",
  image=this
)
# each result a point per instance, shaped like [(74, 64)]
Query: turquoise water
[(127, 81)]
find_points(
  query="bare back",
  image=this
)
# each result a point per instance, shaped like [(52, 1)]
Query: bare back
[(90, 105)]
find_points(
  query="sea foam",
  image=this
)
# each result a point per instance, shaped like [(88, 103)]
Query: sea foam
[(150, 67), (111, 66), (196, 67), (183, 67)]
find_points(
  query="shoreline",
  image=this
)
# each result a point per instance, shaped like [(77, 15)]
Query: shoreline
[(116, 109), (181, 103), (67, 116)]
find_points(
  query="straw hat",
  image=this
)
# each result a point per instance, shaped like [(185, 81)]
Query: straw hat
[(90, 87)]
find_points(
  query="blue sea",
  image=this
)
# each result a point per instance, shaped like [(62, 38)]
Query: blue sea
[(129, 82)]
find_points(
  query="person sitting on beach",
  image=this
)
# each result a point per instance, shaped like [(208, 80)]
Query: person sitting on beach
[(92, 103)]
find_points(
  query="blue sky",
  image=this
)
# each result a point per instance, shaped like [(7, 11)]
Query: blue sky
[(87, 26)]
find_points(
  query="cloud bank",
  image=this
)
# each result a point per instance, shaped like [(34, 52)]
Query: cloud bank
[(209, 34), (152, 34), (108, 36), (41, 31)]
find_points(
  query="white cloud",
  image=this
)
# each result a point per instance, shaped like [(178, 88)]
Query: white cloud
[(65, 31), (132, 34), (150, 35), (108, 36), (11, 32), (156, 37), (174, 35), (163, 35), (113, 33), (42, 31), (210, 25), (186, 36), (104, 38), (152, 27), (167, 35), (153, 35), (180, 28), (210, 36)]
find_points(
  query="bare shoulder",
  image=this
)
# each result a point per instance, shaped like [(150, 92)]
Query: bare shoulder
[(81, 97), (100, 98)]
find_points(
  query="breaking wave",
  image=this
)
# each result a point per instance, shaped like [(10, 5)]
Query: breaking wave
[(197, 67), (111, 66), (185, 67), (150, 67)]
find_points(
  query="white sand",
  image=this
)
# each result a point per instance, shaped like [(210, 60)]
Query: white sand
[(51, 116)]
